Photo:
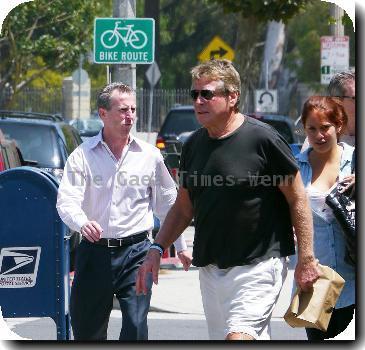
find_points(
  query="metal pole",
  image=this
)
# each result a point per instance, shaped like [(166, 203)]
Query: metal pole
[(150, 114), (124, 72), (108, 78), (80, 67), (337, 29), (267, 76)]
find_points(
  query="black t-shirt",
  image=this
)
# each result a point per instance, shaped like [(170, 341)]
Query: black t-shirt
[(241, 216)]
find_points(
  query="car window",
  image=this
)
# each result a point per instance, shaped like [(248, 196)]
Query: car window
[(283, 128), (36, 142), (71, 141), (178, 122)]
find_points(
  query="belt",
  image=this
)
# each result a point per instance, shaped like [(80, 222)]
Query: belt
[(121, 242)]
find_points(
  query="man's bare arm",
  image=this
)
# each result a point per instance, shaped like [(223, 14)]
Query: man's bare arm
[(306, 271), (177, 220)]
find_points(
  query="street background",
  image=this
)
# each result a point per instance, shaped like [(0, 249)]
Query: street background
[(176, 312)]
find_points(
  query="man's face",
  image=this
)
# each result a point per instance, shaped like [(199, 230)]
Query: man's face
[(349, 104), (212, 107), (122, 113)]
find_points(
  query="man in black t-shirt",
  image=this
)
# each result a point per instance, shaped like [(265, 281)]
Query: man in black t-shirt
[(240, 183)]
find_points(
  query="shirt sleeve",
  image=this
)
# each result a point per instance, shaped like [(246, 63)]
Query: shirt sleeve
[(71, 192), (280, 158), (164, 196)]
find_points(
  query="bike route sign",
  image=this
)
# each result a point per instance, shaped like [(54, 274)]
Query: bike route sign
[(124, 40)]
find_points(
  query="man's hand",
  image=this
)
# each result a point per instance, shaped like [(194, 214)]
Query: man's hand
[(306, 273), (151, 264), (91, 231), (185, 258)]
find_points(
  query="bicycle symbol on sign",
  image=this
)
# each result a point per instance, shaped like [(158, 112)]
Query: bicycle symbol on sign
[(135, 38)]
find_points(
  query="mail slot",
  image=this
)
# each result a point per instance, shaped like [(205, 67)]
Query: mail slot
[(34, 249)]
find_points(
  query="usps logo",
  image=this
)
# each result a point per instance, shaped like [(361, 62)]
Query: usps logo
[(19, 266)]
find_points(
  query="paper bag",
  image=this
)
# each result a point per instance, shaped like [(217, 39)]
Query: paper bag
[(313, 309)]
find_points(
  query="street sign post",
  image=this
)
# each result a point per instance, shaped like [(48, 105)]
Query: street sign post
[(335, 56), (124, 40), (266, 101), (217, 48), (153, 75)]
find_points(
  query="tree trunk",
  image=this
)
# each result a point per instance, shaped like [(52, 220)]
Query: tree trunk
[(273, 54), (247, 58)]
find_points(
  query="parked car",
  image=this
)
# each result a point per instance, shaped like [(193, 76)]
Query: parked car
[(87, 127), (10, 156), (179, 123), (45, 141)]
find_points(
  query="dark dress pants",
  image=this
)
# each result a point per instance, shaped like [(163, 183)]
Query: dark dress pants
[(340, 319), (100, 273)]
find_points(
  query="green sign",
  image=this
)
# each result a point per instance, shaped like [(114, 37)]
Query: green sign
[(124, 40)]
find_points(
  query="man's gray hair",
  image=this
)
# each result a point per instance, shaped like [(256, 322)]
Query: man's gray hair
[(339, 83), (104, 95), (219, 70)]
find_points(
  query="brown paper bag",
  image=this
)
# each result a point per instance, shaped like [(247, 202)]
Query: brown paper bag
[(313, 309)]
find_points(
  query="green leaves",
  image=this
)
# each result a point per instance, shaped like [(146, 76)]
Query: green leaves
[(266, 10), (56, 31)]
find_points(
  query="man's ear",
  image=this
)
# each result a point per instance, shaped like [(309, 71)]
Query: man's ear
[(102, 112), (233, 97)]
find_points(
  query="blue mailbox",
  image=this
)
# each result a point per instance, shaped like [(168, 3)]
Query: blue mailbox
[(34, 249)]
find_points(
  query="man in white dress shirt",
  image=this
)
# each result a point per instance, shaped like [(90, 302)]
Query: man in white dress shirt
[(111, 186)]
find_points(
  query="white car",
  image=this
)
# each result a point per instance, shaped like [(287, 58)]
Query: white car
[(87, 127)]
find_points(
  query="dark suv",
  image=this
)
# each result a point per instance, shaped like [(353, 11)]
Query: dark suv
[(45, 141)]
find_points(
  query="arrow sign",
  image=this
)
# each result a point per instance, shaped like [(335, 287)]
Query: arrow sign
[(217, 48), (261, 100), (221, 52), (266, 101)]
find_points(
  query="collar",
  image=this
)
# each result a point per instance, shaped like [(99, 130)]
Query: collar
[(92, 142), (346, 154)]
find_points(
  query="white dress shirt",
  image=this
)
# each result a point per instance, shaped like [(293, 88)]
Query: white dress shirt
[(120, 195)]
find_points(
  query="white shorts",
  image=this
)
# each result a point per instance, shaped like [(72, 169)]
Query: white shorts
[(241, 298)]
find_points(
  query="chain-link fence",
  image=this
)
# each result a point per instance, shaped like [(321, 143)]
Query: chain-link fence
[(50, 101), (34, 100)]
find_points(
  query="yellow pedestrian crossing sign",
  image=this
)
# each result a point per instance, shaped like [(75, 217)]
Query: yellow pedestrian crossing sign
[(217, 48)]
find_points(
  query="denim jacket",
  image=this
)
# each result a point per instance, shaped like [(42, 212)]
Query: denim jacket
[(329, 242)]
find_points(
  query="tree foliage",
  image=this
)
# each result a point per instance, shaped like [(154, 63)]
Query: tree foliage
[(304, 35), (186, 28), (44, 34), (267, 10)]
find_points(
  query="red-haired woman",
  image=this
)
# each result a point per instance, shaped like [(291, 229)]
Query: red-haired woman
[(325, 163)]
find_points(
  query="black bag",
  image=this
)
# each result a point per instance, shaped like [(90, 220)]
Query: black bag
[(343, 207)]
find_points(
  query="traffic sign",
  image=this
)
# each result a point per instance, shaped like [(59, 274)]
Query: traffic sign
[(217, 48), (124, 40), (153, 74), (266, 101), (335, 56)]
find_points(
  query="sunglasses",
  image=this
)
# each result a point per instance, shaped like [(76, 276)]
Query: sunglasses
[(350, 97), (206, 94)]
